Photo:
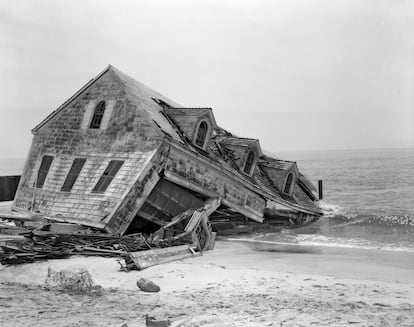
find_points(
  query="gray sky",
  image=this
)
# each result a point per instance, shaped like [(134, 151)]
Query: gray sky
[(297, 74)]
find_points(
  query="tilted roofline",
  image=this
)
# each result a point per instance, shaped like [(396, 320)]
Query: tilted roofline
[(133, 89), (69, 101), (144, 96)]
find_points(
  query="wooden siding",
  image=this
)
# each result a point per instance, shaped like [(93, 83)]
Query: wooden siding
[(214, 181), (127, 133)]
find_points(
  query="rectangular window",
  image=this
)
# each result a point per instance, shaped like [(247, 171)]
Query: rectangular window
[(107, 176), (43, 170), (73, 174)]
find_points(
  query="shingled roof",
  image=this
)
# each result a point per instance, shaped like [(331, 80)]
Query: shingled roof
[(187, 111), (145, 96), (277, 163)]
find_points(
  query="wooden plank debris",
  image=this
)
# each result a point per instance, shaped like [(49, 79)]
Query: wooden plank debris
[(48, 245), (186, 235), (145, 259)]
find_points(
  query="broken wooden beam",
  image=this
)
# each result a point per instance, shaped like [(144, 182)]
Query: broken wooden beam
[(79, 221), (17, 217), (30, 217), (149, 258), (90, 249)]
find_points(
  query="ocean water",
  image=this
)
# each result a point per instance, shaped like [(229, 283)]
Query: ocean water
[(368, 199)]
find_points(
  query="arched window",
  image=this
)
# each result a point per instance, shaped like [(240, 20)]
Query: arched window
[(201, 134), (249, 163), (98, 115), (288, 184)]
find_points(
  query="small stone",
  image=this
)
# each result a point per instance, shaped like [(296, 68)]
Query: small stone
[(146, 285)]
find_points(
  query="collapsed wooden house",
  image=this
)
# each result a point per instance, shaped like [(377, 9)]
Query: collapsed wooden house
[(123, 158)]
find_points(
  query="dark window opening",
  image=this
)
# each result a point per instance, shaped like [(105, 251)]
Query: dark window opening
[(98, 115), (288, 184), (201, 134), (249, 163), (43, 170), (107, 176), (141, 225), (73, 174)]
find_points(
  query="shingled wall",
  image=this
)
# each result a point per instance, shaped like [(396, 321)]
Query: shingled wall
[(129, 136), (202, 174)]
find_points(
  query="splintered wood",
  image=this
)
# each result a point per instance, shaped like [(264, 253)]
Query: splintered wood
[(61, 239), (45, 245)]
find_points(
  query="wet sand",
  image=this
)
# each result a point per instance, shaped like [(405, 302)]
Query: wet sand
[(237, 284)]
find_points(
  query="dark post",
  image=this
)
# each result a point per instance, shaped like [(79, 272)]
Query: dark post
[(320, 189)]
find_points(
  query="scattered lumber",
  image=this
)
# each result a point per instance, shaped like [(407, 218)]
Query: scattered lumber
[(40, 237), (48, 245)]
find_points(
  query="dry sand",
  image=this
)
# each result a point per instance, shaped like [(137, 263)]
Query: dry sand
[(237, 284)]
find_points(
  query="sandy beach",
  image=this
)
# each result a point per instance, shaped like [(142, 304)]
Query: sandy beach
[(237, 284)]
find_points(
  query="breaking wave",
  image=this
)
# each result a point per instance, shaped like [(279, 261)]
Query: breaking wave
[(356, 243), (339, 214), (343, 228)]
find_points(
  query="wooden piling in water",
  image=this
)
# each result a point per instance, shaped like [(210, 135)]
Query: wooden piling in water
[(320, 189)]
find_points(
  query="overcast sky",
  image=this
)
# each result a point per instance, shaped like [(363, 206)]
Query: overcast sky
[(296, 74)]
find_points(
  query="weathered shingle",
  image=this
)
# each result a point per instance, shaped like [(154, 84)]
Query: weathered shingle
[(239, 141), (277, 163)]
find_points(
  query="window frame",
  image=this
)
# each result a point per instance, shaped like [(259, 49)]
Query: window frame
[(98, 114), (251, 154), (69, 183), (42, 172), (290, 174), (107, 176), (205, 136)]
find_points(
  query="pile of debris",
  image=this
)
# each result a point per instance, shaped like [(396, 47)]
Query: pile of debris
[(40, 239), (39, 245)]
